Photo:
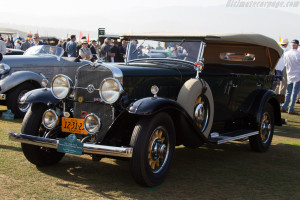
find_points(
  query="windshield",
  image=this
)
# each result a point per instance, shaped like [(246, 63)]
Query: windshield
[(45, 50), (150, 49)]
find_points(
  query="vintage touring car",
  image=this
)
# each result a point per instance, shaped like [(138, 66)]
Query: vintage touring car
[(172, 90)]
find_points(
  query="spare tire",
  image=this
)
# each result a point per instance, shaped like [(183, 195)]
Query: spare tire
[(196, 98)]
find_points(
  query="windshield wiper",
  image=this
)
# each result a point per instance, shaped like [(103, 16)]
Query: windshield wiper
[(183, 41)]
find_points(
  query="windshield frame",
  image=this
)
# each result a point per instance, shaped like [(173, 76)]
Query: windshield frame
[(45, 50), (176, 42)]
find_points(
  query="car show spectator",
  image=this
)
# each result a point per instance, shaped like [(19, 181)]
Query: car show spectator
[(64, 46), (36, 40), (1, 38), (60, 44), (71, 47), (8, 43), (159, 47), (123, 48), (18, 44), (94, 48), (281, 71), (25, 45), (85, 52), (292, 63), (105, 51), (2, 47), (116, 50)]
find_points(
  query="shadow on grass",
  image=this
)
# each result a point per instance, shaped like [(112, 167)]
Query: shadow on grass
[(218, 172), (10, 148)]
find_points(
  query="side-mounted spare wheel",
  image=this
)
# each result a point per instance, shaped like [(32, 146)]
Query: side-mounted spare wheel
[(153, 142), (32, 125), (196, 98)]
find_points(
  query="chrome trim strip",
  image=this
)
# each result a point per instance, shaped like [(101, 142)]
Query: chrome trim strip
[(88, 148), (117, 73), (228, 139)]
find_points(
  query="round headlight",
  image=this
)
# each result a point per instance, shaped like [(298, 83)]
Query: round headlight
[(110, 90), (50, 119), (92, 123), (61, 86), (4, 68)]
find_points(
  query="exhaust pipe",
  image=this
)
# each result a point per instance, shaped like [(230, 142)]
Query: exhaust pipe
[(88, 148)]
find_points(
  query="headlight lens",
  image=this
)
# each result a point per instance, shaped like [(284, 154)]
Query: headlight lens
[(50, 119), (92, 123), (61, 86), (4, 68), (110, 90)]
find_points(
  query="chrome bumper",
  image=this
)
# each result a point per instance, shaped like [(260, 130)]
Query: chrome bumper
[(88, 148)]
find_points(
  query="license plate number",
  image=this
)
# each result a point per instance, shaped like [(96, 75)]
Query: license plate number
[(72, 125)]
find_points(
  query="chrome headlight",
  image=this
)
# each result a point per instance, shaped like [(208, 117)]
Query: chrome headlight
[(61, 86), (110, 90), (4, 68), (50, 119), (92, 123)]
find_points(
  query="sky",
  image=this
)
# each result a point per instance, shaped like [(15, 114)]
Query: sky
[(137, 16)]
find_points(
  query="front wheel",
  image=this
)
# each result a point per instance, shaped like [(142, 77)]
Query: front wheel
[(32, 125), (153, 142), (262, 141), (14, 97)]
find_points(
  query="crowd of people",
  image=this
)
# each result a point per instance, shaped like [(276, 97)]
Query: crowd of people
[(109, 51), (288, 68)]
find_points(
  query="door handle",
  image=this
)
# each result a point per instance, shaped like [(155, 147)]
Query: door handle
[(258, 84), (234, 85)]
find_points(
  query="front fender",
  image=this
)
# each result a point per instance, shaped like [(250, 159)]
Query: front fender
[(186, 130), (16, 78), (41, 95)]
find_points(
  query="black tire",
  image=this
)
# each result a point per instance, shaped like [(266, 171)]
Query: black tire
[(262, 141), (32, 125), (15, 95), (148, 165)]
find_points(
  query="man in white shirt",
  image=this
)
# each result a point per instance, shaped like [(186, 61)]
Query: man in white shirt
[(292, 63), (280, 69), (2, 47)]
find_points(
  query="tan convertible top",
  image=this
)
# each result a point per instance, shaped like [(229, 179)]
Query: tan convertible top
[(254, 39)]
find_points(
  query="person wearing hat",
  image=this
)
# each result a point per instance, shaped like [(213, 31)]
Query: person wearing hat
[(36, 40), (94, 49), (292, 63), (85, 52), (281, 71)]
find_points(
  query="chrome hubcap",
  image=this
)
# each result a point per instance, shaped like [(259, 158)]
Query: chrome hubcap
[(158, 150), (23, 107), (201, 112), (266, 127)]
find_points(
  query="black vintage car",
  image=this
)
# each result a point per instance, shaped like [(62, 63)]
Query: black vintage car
[(172, 90)]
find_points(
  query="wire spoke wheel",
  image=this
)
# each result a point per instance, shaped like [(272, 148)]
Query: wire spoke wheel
[(158, 150)]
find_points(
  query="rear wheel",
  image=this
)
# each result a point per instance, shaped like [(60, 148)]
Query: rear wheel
[(262, 141), (32, 125), (153, 142), (14, 97)]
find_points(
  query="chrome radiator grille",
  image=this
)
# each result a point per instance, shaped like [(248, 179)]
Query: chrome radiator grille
[(87, 100)]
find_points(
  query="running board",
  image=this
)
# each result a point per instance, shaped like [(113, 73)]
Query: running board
[(232, 136)]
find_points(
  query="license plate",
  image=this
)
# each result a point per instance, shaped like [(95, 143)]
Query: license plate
[(72, 125)]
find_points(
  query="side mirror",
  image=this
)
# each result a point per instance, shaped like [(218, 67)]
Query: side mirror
[(1, 56)]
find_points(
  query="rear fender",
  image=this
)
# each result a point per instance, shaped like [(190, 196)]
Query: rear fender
[(267, 97)]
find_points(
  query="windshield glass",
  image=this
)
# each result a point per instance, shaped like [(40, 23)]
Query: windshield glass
[(150, 49), (45, 50)]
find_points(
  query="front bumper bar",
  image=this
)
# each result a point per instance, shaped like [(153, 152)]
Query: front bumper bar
[(88, 148)]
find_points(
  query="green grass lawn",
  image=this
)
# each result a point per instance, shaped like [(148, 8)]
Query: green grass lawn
[(228, 171)]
